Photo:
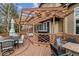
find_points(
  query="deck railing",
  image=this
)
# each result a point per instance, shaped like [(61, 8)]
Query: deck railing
[(41, 38), (45, 38), (51, 38)]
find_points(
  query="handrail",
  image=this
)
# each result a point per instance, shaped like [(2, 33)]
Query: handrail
[(52, 36)]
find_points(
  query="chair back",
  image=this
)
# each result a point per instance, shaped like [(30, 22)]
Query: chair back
[(7, 43), (71, 39), (1, 38), (54, 50), (22, 37), (58, 41)]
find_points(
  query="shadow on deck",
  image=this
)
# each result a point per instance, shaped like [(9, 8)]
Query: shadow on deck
[(32, 49)]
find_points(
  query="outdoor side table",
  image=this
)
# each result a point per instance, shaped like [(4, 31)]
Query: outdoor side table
[(72, 48)]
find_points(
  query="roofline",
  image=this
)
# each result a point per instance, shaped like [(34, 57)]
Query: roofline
[(61, 3), (41, 4), (72, 4)]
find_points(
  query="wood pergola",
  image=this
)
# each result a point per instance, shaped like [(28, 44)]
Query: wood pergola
[(36, 15)]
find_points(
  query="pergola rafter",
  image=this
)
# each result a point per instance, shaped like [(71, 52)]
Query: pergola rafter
[(42, 14), (45, 8)]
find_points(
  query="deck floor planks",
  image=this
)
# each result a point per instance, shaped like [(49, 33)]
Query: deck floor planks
[(33, 50), (36, 51)]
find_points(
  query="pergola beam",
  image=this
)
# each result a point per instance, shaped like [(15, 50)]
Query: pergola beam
[(45, 8), (43, 14)]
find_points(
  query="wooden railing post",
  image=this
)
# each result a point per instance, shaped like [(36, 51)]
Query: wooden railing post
[(53, 23), (53, 36), (33, 30), (53, 39)]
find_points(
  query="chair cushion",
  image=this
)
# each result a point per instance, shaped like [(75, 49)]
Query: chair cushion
[(20, 41), (58, 41), (71, 39)]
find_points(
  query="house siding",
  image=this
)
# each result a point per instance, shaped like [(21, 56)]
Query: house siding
[(69, 21)]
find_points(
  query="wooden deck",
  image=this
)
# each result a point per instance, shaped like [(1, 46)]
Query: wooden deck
[(32, 49)]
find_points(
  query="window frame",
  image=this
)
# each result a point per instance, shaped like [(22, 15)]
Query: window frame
[(75, 19), (43, 24)]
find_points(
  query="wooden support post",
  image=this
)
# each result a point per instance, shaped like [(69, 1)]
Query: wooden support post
[(28, 30), (64, 35), (52, 40), (33, 29), (19, 28), (36, 28), (53, 24), (62, 24), (20, 22)]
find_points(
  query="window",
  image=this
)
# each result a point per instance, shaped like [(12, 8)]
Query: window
[(77, 26), (76, 16), (77, 12), (43, 27)]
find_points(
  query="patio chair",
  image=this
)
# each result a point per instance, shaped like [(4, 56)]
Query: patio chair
[(56, 52), (1, 39), (58, 43), (17, 40), (71, 39), (7, 47), (21, 40)]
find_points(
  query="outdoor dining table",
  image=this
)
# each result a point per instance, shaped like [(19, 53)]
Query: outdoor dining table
[(15, 38), (11, 38), (72, 48), (3, 40), (6, 42), (6, 46)]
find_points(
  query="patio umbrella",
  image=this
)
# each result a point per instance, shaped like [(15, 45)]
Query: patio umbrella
[(12, 29)]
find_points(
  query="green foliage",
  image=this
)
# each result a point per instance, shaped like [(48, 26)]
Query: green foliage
[(1, 29), (8, 11)]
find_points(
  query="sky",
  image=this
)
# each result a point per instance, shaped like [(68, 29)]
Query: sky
[(26, 5)]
